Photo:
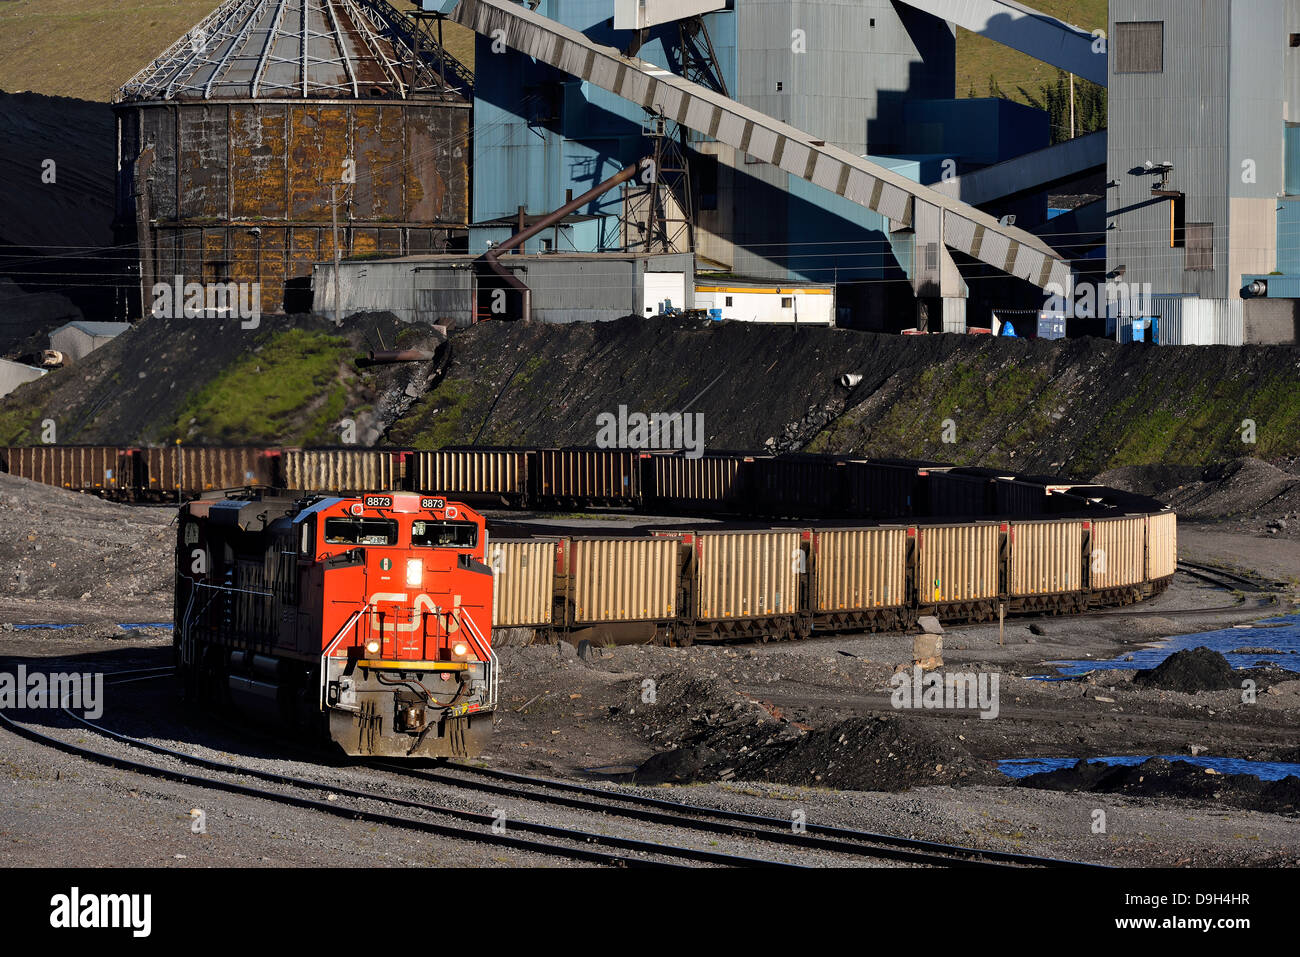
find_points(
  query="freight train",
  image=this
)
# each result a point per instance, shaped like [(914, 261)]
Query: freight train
[(867, 543), (721, 483), (364, 620), (679, 586)]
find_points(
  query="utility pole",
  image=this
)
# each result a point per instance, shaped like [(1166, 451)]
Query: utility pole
[(1071, 106), (334, 214)]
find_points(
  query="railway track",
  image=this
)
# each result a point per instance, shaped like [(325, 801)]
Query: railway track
[(1229, 580), (718, 821), (548, 839)]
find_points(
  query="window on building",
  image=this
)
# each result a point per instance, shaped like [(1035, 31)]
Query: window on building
[(1139, 47), (729, 300), (787, 302), (1200, 247), (706, 180)]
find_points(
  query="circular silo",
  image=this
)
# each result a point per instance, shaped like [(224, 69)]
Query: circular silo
[(239, 146)]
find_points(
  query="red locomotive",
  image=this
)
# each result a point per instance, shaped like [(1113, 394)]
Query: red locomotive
[(367, 617)]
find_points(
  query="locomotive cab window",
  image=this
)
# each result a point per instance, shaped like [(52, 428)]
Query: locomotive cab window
[(444, 534), (360, 531)]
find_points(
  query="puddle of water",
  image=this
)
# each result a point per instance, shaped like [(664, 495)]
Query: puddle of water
[(1280, 636), (1264, 770)]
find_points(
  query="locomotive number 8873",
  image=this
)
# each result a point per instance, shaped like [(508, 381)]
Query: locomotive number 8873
[(367, 619)]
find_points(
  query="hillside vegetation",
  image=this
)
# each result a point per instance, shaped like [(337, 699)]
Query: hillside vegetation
[(89, 48), (1075, 407), (978, 58)]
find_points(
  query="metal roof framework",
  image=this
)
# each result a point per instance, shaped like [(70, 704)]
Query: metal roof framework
[(292, 49), (936, 217)]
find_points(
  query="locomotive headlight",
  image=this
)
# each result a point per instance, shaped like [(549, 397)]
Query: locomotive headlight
[(414, 571), (459, 649), (373, 646)]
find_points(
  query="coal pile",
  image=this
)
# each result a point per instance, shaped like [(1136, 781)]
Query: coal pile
[(1189, 671), (1160, 778), (713, 735)]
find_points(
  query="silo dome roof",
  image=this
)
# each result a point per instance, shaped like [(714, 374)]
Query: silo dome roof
[(291, 49)]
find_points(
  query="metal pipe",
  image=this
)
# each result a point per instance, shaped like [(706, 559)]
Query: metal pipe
[(490, 258)]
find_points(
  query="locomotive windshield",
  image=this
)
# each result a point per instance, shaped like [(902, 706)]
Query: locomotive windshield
[(360, 531), (444, 534)]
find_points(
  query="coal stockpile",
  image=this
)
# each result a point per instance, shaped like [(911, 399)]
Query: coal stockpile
[(1191, 670), (721, 738), (1160, 778)]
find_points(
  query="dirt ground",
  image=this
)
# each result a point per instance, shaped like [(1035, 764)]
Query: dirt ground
[(774, 728)]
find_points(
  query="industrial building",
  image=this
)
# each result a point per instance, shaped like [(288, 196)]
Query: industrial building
[(76, 340), (565, 287), (752, 301), (809, 143), (275, 126), (1203, 162)]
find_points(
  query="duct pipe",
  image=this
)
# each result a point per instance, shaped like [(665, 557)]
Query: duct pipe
[(490, 258)]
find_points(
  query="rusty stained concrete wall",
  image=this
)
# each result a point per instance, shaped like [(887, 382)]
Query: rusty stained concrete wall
[(222, 169)]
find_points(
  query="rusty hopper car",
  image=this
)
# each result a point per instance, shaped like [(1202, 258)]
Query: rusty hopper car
[(588, 478), (478, 476), (103, 470), (365, 619), (344, 471), (182, 471), (713, 483)]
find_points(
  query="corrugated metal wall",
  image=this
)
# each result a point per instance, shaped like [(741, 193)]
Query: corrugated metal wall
[(860, 569), (220, 169), (747, 574)]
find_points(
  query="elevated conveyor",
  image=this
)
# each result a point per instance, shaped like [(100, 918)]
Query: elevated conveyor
[(935, 218)]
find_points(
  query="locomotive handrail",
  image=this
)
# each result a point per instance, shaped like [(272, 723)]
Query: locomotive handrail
[(484, 648), (329, 649)]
